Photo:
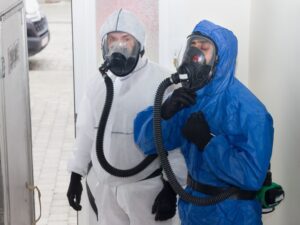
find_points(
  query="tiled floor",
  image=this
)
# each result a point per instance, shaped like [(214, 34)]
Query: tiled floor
[(51, 92)]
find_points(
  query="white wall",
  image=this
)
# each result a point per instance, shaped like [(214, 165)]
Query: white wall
[(84, 44), (85, 66), (275, 78), (179, 17)]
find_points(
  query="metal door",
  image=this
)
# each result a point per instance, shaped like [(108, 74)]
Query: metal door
[(15, 125), (6, 5), (4, 207)]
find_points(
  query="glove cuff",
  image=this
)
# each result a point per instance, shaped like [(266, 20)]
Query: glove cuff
[(75, 177), (205, 141), (168, 186)]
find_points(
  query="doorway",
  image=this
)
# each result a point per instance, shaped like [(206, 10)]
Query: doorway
[(52, 113)]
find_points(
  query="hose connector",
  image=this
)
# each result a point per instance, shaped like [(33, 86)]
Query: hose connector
[(104, 68), (176, 78)]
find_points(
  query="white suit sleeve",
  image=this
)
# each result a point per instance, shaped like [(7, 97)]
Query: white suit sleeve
[(178, 166), (84, 138)]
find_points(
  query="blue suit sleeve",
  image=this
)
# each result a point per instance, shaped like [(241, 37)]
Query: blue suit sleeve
[(143, 132), (242, 159)]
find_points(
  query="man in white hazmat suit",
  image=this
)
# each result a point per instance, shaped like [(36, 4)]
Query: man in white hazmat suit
[(129, 200)]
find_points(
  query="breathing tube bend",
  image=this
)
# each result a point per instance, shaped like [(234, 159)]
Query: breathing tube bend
[(163, 154), (100, 135)]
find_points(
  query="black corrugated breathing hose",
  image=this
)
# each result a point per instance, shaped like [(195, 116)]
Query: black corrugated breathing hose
[(100, 137), (164, 158)]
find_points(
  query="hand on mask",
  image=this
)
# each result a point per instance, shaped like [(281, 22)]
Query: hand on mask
[(74, 191), (196, 130), (165, 203), (181, 98)]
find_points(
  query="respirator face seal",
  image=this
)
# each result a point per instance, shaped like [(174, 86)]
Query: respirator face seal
[(121, 51), (198, 61)]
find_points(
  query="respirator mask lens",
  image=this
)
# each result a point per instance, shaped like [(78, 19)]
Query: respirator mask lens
[(197, 61), (121, 51)]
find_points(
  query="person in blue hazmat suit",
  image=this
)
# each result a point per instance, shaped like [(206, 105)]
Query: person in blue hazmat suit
[(122, 200), (225, 133)]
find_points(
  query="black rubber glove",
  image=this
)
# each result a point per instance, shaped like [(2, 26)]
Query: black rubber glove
[(181, 98), (74, 191), (165, 203), (196, 130)]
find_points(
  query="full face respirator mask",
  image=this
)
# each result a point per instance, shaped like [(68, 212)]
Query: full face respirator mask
[(121, 53), (197, 62)]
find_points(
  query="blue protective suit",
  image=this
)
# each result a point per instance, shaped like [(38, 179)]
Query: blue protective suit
[(239, 152)]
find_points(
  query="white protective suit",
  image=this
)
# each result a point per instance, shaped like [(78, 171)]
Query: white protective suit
[(122, 201)]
